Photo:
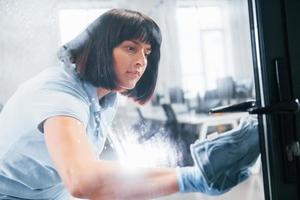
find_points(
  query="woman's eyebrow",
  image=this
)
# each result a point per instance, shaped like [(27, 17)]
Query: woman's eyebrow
[(140, 43)]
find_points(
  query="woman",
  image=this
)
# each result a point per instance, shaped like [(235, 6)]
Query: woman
[(51, 128)]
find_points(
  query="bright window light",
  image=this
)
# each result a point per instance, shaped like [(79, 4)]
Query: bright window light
[(74, 21), (201, 40)]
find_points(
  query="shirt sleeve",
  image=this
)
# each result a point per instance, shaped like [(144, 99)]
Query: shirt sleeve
[(50, 102)]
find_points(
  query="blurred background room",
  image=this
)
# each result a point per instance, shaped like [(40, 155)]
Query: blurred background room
[(206, 61)]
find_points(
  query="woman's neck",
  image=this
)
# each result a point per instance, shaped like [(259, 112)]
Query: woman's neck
[(101, 92)]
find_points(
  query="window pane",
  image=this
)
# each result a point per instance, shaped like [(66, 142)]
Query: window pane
[(73, 21)]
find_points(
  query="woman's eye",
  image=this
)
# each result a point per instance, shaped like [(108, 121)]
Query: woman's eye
[(131, 48), (147, 54)]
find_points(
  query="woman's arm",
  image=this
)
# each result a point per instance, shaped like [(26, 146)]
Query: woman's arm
[(86, 177)]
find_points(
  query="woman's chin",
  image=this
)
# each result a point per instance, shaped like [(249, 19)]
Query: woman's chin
[(124, 87)]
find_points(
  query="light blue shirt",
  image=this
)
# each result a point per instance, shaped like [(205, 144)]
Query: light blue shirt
[(26, 169)]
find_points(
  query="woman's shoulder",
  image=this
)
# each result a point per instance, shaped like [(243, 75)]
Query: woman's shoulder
[(57, 75), (56, 80)]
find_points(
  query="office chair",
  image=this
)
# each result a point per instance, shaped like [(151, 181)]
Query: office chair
[(145, 128), (176, 95), (226, 89), (181, 134), (210, 100), (171, 122)]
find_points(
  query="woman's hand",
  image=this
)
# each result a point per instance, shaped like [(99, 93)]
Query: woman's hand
[(223, 162)]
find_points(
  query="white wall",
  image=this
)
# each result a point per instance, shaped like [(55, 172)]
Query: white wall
[(29, 38)]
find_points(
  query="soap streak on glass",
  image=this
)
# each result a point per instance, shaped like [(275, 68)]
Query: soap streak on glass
[(157, 151)]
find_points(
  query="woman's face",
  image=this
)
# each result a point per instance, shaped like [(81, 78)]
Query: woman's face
[(130, 62)]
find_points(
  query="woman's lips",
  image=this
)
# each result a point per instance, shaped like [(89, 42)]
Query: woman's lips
[(133, 74)]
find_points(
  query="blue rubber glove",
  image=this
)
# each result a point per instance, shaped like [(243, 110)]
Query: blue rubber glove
[(221, 163)]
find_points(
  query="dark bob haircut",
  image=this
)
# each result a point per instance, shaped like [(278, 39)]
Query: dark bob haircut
[(91, 51)]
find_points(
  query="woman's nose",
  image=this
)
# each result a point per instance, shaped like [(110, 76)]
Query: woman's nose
[(141, 59)]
